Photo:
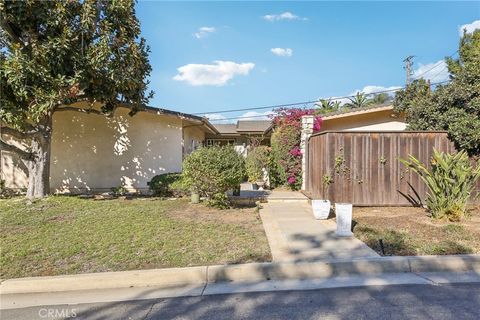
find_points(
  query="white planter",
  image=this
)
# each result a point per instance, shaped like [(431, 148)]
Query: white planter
[(343, 212), (321, 209)]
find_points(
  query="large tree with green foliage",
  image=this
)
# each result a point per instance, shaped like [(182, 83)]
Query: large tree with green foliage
[(454, 107), (55, 53)]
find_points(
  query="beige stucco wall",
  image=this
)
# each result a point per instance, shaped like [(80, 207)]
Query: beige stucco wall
[(92, 152), (193, 137), (96, 152), (13, 170), (381, 121)]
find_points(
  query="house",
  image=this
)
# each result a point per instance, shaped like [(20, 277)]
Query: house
[(240, 134), (378, 118), (91, 152)]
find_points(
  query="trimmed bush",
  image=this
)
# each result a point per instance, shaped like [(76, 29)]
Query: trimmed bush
[(256, 160), (213, 171), (164, 184), (450, 183)]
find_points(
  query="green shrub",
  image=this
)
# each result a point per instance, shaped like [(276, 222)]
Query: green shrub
[(119, 191), (256, 160), (162, 184), (212, 171), (450, 183)]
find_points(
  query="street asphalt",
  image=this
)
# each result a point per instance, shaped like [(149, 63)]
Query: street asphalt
[(453, 301)]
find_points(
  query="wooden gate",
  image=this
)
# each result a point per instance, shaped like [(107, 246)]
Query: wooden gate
[(363, 168)]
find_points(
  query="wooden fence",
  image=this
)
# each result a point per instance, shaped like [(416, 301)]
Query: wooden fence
[(363, 167)]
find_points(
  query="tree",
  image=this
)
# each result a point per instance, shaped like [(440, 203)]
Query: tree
[(360, 100), (55, 53), (325, 106), (454, 107), (381, 98)]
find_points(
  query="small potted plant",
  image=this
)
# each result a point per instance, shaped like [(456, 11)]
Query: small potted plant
[(195, 197)]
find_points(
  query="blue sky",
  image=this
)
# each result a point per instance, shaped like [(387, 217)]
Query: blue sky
[(212, 56)]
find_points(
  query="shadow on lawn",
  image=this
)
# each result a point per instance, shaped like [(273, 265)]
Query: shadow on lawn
[(401, 244)]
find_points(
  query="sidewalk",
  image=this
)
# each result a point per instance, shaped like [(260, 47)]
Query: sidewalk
[(295, 235)]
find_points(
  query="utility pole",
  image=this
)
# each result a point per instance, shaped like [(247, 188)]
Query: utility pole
[(408, 67)]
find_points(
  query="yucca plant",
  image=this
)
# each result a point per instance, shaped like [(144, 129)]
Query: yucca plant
[(450, 183)]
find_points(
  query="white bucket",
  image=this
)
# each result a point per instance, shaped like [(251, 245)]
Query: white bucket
[(343, 212), (321, 209)]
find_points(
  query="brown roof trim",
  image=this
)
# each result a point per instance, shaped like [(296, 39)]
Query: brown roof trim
[(160, 111), (376, 131), (359, 111)]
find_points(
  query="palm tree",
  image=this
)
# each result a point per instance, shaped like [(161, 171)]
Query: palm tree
[(327, 106), (359, 101)]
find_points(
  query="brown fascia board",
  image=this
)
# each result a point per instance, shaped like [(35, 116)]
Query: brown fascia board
[(201, 120)]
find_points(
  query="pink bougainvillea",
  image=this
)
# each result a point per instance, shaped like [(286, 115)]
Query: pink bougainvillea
[(288, 123), (317, 123), (296, 151)]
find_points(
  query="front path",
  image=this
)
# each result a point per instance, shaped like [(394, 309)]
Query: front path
[(295, 235)]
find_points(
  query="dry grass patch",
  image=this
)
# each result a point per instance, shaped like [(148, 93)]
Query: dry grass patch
[(66, 235), (410, 231)]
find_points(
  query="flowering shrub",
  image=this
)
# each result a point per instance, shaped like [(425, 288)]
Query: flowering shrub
[(286, 163)]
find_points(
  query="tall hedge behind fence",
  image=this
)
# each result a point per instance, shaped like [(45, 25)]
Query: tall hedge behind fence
[(363, 168)]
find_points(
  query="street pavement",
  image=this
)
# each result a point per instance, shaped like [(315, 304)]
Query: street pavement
[(419, 301)]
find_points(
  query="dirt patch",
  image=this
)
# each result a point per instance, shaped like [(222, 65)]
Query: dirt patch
[(411, 231)]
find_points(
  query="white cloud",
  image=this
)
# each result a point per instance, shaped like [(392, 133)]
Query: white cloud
[(367, 90), (282, 52), (254, 115), (203, 32), (470, 27), (373, 89), (249, 115), (216, 74), (217, 117), (282, 16), (435, 72)]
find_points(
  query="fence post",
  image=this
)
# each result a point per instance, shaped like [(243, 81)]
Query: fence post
[(307, 130)]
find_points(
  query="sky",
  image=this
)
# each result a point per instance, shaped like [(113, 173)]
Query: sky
[(213, 56)]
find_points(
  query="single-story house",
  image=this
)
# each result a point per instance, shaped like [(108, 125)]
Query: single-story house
[(240, 134), (375, 118), (92, 153)]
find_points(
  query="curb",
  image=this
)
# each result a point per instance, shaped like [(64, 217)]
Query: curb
[(175, 277)]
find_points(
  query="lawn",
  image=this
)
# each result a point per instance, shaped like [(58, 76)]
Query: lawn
[(67, 235), (410, 231)]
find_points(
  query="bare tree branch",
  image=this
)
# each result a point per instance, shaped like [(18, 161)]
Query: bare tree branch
[(12, 132), (31, 133), (11, 148), (9, 31)]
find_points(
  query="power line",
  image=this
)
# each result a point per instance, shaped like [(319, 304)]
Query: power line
[(436, 74), (301, 103), (240, 117), (294, 104), (435, 66), (304, 102)]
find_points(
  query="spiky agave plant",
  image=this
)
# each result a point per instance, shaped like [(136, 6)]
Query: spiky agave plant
[(450, 183)]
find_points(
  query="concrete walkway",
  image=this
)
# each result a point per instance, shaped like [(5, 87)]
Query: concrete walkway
[(295, 235)]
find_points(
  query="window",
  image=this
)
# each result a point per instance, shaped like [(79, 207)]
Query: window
[(220, 142)]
